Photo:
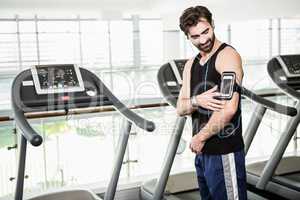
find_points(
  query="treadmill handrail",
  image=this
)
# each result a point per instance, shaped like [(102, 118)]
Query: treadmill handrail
[(282, 109), (35, 139), (26, 130), (124, 110), (171, 99), (284, 87)]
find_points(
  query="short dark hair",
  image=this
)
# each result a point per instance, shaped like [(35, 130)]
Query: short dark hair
[(190, 17)]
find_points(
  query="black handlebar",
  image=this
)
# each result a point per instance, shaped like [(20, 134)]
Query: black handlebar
[(286, 110), (130, 115), (27, 131)]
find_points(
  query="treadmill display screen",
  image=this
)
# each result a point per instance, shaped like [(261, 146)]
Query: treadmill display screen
[(290, 65), (57, 78)]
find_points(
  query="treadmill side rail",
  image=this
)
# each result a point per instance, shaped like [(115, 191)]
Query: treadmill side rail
[(278, 151)]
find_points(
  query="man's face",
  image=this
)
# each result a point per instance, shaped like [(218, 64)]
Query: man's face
[(202, 36)]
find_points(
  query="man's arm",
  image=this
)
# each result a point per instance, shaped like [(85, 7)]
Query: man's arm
[(228, 60), (184, 106)]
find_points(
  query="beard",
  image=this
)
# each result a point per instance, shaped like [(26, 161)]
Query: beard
[(207, 46)]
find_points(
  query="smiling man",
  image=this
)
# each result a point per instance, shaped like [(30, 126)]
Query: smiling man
[(217, 126)]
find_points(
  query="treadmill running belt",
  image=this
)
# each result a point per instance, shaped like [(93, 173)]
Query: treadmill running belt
[(195, 195)]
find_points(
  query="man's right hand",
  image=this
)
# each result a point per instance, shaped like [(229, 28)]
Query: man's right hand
[(207, 100)]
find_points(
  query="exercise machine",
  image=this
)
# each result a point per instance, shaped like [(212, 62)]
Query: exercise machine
[(184, 185), (46, 88), (281, 175)]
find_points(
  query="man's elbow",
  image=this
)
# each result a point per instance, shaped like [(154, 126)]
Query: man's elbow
[(179, 112), (231, 108)]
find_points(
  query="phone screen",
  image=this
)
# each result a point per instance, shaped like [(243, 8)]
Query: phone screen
[(227, 85)]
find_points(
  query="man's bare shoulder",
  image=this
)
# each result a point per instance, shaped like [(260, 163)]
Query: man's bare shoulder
[(230, 60), (188, 65), (229, 55)]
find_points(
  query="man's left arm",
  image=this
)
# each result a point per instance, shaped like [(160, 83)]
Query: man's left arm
[(228, 60)]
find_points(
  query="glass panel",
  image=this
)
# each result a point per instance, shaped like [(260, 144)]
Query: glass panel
[(275, 37), (256, 77), (59, 42), (151, 36), (221, 32), (9, 56), (5, 91), (8, 27), (251, 39), (121, 34), (8, 160), (290, 36), (190, 49), (150, 149), (28, 43), (271, 128), (74, 152), (135, 85), (95, 46)]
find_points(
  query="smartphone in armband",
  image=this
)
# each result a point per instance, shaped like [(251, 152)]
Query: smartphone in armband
[(227, 85)]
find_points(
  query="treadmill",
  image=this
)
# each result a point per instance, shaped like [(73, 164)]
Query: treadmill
[(184, 185), (46, 88), (281, 175)]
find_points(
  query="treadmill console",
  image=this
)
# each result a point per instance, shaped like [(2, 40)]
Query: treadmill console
[(60, 87), (290, 65), (173, 75), (50, 79)]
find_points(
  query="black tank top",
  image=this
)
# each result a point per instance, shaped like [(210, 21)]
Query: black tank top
[(203, 78)]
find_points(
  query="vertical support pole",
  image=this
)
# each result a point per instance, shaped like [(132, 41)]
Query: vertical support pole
[(278, 151), (80, 40), (159, 190), (279, 36), (253, 125), (19, 43), (21, 168), (136, 42), (229, 34), (123, 140), (270, 39), (37, 39)]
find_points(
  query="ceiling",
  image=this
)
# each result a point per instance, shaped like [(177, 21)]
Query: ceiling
[(221, 9)]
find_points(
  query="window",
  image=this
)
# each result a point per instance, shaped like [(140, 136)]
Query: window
[(59, 42), (9, 56), (121, 38), (221, 32), (251, 39), (151, 37), (189, 49), (290, 36), (28, 43), (95, 44)]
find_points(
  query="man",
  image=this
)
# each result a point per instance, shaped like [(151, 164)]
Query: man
[(217, 130)]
